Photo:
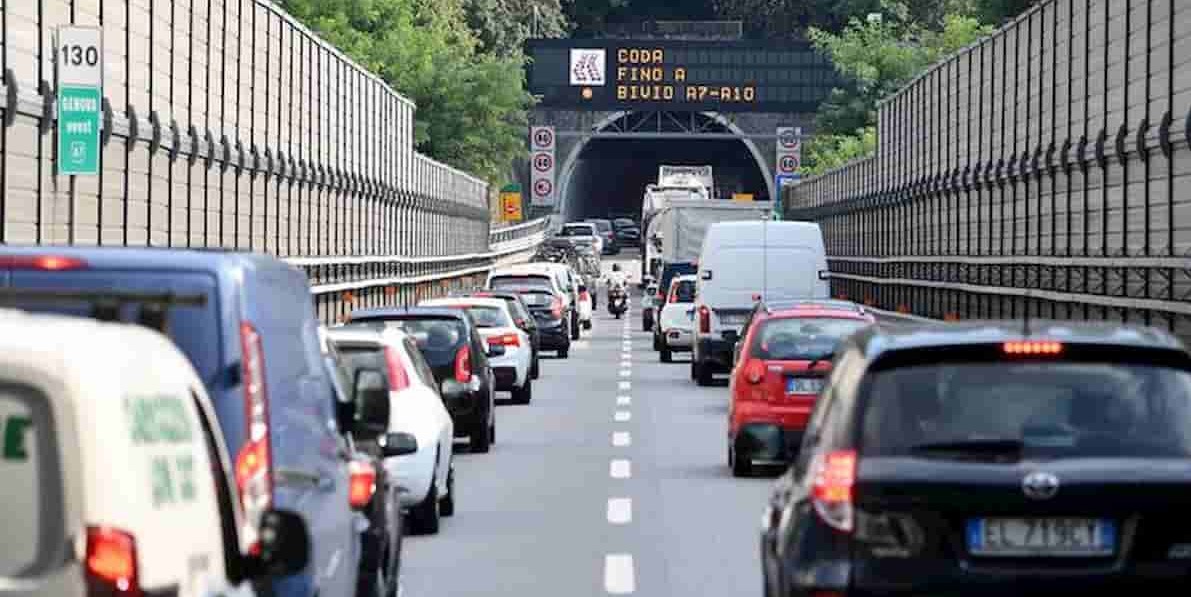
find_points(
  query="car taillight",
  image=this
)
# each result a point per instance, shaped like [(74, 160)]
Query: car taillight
[(754, 372), (585, 296), (1032, 348), (111, 562), (254, 470), (398, 378), (361, 484), (556, 307), (42, 262), (463, 365), (704, 319), (504, 340), (834, 475)]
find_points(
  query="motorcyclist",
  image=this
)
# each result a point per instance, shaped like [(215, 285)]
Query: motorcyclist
[(616, 279)]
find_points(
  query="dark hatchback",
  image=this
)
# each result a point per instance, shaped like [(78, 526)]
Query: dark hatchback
[(454, 350), (978, 459), (550, 313), (628, 234), (523, 318)]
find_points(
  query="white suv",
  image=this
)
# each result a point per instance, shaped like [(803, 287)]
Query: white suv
[(675, 330)]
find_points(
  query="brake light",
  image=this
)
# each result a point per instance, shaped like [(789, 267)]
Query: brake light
[(584, 296), (463, 365), (704, 319), (673, 295), (42, 262), (504, 340), (754, 372), (834, 477), (361, 484), (556, 307), (111, 561), (254, 470), (398, 378), (1032, 347)]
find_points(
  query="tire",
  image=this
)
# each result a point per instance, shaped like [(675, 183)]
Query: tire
[(740, 468), (666, 355), (646, 324), (618, 314), (657, 342), (481, 439), (446, 506), (424, 518), (574, 327), (562, 354), (535, 371), (702, 374), (523, 394), (693, 369)]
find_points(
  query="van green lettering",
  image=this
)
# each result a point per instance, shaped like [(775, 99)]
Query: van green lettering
[(185, 467), (163, 483), (14, 438), (158, 420)]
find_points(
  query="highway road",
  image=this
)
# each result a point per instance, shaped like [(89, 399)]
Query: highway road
[(612, 481)]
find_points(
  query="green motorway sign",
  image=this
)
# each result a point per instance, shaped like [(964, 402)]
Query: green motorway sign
[(78, 130)]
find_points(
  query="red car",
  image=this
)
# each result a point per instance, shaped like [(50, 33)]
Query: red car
[(782, 362)]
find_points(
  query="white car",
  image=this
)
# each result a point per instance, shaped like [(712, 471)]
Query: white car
[(426, 477), (512, 358), (675, 331), (563, 281), (586, 307), (117, 477), (583, 233)]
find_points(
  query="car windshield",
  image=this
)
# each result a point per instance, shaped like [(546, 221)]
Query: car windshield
[(801, 338), (1070, 409), (487, 317), (576, 231), (603, 225), (623, 223), (520, 283), (684, 291)]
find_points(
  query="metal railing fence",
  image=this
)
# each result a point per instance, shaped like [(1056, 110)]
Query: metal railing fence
[(1040, 168)]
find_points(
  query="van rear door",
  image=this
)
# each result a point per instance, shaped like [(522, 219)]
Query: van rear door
[(741, 272)]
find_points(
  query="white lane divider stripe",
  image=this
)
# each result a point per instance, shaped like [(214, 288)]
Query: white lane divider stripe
[(620, 510), (618, 574), (625, 385), (621, 468), (626, 372), (621, 439), (622, 416), (624, 400)]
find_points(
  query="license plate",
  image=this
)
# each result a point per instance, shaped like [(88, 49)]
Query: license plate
[(1041, 537), (803, 385), (729, 320)]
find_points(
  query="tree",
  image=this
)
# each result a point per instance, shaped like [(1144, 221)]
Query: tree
[(502, 26), (832, 151), (472, 106)]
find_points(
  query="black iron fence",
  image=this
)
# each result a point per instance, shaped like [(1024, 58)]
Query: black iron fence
[(1040, 169)]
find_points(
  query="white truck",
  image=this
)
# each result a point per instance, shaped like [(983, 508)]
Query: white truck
[(675, 229)]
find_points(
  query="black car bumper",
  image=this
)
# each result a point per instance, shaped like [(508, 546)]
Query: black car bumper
[(506, 378), (466, 411), (715, 353), (767, 444), (554, 338)]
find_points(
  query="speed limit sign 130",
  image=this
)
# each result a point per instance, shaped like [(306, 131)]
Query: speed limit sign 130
[(79, 59)]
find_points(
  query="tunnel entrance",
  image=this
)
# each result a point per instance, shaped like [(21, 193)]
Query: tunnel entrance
[(606, 176)]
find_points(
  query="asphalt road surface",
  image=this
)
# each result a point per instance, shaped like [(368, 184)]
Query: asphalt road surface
[(613, 481)]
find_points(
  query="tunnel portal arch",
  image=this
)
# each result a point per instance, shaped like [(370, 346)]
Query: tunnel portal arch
[(653, 125)]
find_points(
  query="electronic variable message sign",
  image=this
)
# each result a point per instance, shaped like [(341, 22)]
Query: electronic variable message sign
[(679, 75)]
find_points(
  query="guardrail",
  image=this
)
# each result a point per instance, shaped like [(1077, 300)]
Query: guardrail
[(1037, 171), (340, 284)]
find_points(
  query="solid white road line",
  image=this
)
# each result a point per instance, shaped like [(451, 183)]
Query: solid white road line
[(618, 574), (620, 468), (622, 416), (624, 400), (625, 385), (620, 510), (621, 439)]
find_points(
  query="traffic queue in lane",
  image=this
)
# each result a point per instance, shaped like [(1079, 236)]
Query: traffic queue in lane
[(978, 458), (278, 456)]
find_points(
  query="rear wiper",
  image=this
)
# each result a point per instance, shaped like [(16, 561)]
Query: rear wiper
[(827, 356), (973, 446)]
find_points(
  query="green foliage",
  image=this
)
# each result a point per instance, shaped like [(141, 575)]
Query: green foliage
[(825, 152), (502, 26), (472, 106)]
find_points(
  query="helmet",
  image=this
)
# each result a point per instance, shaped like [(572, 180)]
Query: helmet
[(615, 267)]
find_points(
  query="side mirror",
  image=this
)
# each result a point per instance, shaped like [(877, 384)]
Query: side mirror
[(452, 390), (706, 274), (284, 546), (495, 350), (398, 444), (372, 403), (824, 274)]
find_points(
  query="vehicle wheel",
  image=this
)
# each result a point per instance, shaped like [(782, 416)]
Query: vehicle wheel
[(587, 325), (562, 354), (574, 327), (702, 374), (424, 517), (657, 342), (481, 437), (523, 394), (694, 371), (646, 325), (447, 505), (536, 370), (740, 466), (618, 314), (667, 356)]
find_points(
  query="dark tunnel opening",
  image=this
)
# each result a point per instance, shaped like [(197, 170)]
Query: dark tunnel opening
[(610, 174)]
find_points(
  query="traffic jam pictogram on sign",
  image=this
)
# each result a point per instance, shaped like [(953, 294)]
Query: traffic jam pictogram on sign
[(788, 164), (543, 187), (543, 161)]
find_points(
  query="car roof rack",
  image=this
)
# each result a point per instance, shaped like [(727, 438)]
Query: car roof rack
[(107, 304)]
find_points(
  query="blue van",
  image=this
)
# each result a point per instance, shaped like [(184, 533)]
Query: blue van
[(255, 344)]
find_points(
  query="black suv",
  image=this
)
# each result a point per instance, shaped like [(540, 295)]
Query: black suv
[(990, 459), (454, 350)]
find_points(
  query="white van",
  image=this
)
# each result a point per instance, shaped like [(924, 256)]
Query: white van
[(117, 479), (740, 264)]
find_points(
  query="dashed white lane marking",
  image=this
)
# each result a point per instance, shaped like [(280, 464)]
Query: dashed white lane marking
[(618, 574), (620, 510), (620, 469), (626, 372), (628, 345), (625, 385), (622, 416), (621, 439), (624, 400), (580, 344)]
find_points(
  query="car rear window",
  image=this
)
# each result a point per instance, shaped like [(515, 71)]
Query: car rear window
[(520, 283), (801, 338), (577, 231), (439, 338), (1055, 409), (684, 292), (356, 358), (32, 512), (538, 300), (488, 317)]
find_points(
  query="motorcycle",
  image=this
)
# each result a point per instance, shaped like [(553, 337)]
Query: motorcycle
[(617, 302)]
